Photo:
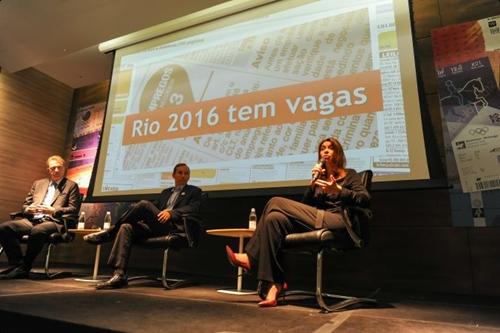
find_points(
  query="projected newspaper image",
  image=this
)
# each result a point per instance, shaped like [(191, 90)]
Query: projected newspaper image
[(248, 103)]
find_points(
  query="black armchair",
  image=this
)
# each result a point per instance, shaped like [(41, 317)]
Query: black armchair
[(70, 221), (190, 238), (319, 241)]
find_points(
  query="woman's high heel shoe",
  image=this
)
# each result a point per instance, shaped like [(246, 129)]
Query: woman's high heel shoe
[(231, 257), (264, 286), (269, 303)]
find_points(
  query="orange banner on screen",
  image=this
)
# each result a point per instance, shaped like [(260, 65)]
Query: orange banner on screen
[(329, 98)]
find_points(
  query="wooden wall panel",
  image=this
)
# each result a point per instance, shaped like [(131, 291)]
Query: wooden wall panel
[(426, 65), (436, 123), (426, 14), (458, 11), (422, 258), (411, 208), (484, 252), (34, 113)]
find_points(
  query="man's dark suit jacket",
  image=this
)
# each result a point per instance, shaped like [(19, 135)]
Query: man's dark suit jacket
[(66, 198), (186, 205)]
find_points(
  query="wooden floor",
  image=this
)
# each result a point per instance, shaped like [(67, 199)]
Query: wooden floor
[(64, 305)]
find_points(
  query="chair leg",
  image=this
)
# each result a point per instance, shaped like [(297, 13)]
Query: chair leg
[(347, 300), (47, 264), (172, 283), (167, 283), (47, 272), (320, 295), (47, 260)]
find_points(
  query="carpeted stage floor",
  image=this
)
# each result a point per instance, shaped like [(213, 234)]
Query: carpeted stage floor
[(66, 305)]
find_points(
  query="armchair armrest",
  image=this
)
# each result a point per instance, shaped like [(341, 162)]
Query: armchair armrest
[(193, 229), (14, 215), (70, 220), (193, 223), (356, 235), (366, 212)]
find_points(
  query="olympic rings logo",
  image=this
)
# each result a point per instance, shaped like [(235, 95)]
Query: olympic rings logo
[(478, 131)]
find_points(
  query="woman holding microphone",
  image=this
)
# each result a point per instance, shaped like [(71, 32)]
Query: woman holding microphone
[(331, 189)]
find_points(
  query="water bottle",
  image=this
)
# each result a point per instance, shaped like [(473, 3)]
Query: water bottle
[(252, 219), (81, 221), (107, 220)]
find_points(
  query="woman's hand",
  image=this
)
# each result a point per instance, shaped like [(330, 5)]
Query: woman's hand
[(329, 186), (316, 172)]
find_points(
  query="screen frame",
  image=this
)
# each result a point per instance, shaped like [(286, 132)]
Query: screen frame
[(434, 178)]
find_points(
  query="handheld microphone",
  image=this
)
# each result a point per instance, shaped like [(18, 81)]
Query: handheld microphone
[(321, 164)]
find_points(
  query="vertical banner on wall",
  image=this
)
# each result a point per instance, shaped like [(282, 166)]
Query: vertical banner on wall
[(88, 124), (466, 59), (467, 64)]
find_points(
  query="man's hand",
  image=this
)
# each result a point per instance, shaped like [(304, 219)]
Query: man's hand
[(48, 210), (164, 216), (31, 209), (40, 209)]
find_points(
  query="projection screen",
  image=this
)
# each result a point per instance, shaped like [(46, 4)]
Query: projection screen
[(245, 99)]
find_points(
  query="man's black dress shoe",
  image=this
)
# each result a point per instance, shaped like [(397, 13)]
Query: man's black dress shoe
[(116, 281), (98, 237), (17, 273)]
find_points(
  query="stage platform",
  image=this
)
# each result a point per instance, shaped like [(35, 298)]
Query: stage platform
[(66, 305)]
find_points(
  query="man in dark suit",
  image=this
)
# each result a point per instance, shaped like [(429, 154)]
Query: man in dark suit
[(148, 219), (48, 199)]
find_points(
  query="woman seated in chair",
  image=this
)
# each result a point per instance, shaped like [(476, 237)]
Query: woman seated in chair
[(332, 187)]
